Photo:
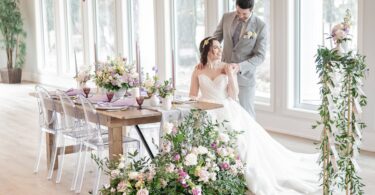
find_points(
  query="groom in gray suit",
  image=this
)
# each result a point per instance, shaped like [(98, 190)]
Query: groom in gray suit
[(244, 36)]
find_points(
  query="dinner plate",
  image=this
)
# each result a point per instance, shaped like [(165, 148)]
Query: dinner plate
[(111, 107)]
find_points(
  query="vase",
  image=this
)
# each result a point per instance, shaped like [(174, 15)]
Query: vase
[(154, 100), (135, 92), (167, 103), (120, 93)]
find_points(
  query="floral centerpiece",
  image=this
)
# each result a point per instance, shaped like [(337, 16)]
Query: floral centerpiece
[(198, 157), (151, 84), (116, 74), (83, 75), (340, 32), (166, 89)]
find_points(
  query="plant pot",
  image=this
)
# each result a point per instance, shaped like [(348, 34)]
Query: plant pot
[(12, 75), (155, 101)]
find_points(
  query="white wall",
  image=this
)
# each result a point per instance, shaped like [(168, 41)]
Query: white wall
[(277, 118)]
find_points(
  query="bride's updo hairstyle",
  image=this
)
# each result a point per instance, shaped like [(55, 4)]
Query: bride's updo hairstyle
[(205, 47)]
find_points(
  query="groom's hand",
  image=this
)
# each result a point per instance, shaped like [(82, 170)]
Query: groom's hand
[(199, 66)]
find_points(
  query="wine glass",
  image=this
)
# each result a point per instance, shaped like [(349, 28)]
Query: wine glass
[(110, 96), (86, 90), (140, 101)]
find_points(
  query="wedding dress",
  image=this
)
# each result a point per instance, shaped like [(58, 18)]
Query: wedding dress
[(271, 169)]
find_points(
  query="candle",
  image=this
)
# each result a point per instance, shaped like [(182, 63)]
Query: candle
[(95, 58), (75, 63), (173, 71), (138, 54)]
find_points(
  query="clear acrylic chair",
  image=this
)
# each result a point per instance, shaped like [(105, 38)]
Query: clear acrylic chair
[(49, 122), (75, 131), (96, 141)]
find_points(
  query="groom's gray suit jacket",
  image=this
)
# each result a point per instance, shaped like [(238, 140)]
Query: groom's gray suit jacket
[(248, 53)]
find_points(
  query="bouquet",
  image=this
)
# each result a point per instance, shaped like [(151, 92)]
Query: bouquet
[(83, 75), (166, 89), (198, 157), (116, 74)]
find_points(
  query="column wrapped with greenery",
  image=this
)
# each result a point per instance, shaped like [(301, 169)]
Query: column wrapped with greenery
[(351, 99), (340, 111), (326, 65)]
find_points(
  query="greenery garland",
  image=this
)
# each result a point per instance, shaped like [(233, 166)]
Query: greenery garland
[(340, 111)]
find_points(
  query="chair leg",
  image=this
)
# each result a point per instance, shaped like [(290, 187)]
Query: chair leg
[(39, 155), (98, 175), (61, 164), (78, 165), (53, 157), (80, 182)]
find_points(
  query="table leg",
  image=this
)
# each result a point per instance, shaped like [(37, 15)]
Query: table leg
[(144, 141), (115, 142)]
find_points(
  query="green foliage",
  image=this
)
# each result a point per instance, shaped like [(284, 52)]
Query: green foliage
[(11, 28)]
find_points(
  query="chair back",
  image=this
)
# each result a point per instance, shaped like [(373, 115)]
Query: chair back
[(92, 119), (47, 117), (70, 112)]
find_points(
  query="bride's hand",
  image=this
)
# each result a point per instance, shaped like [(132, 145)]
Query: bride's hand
[(229, 69)]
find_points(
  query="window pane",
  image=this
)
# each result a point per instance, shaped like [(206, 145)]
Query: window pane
[(75, 34), (106, 29), (262, 10), (49, 33), (144, 30), (189, 31), (316, 21)]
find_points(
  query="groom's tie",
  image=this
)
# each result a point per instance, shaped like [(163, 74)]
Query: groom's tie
[(236, 34)]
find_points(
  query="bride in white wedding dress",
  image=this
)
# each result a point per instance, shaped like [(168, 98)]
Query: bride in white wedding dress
[(271, 169)]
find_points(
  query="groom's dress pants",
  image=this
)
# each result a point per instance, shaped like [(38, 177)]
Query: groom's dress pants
[(247, 98)]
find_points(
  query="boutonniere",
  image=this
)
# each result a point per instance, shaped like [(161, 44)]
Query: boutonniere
[(250, 35)]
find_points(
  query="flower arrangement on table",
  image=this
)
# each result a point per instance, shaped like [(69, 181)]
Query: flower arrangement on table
[(198, 157), (116, 74), (166, 89), (151, 84), (83, 75)]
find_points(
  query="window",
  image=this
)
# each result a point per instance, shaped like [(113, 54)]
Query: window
[(49, 34), (263, 84), (144, 33), (188, 30), (75, 34), (315, 21), (106, 29)]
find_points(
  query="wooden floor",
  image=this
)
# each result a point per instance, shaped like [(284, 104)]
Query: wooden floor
[(19, 138)]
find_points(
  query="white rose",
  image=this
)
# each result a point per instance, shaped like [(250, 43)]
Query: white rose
[(202, 150), (191, 159), (142, 192), (170, 168), (167, 128), (222, 152), (133, 175), (167, 146), (121, 165), (223, 137)]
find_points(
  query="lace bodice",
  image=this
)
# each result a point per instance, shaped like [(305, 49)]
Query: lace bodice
[(213, 90)]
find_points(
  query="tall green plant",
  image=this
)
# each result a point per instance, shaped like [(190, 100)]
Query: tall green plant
[(11, 28)]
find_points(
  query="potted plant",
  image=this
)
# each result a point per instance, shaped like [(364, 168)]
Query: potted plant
[(12, 39)]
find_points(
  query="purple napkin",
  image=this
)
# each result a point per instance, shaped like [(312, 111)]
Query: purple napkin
[(73, 92), (98, 98), (125, 102)]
